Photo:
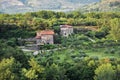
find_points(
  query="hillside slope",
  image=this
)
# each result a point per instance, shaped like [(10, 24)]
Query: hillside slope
[(13, 6), (104, 5)]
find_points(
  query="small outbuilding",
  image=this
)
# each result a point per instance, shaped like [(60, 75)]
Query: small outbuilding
[(66, 30)]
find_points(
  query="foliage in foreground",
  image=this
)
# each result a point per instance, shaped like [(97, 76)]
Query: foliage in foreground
[(58, 65)]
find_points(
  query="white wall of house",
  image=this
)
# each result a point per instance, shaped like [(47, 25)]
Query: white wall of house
[(47, 39), (66, 31), (71, 30)]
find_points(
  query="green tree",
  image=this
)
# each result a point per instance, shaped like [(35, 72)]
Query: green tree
[(81, 71), (71, 21), (7, 69), (8, 51), (55, 72), (115, 29), (105, 72), (40, 24), (34, 71), (118, 72)]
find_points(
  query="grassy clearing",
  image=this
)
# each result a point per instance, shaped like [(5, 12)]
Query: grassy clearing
[(108, 52), (111, 52), (102, 55), (70, 55)]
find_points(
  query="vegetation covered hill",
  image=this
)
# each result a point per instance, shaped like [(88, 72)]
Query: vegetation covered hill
[(20, 6), (104, 5), (84, 55), (13, 6)]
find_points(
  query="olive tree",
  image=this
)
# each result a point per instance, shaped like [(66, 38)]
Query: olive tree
[(105, 72)]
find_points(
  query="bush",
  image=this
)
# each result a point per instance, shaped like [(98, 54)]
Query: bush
[(107, 51), (90, 34), (95, 58), (100, 34), (112, 59), (49, 46), (73, 56), (112, 51), (83, 55), (12, 42)]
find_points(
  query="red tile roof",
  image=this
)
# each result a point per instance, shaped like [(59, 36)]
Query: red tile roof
[(47, 32), (65, 26), (44, 32)]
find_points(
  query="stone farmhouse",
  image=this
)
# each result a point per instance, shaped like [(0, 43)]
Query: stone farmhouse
[(66, 30), (45, 37)]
